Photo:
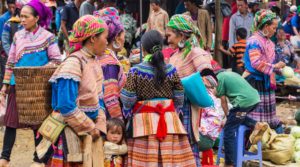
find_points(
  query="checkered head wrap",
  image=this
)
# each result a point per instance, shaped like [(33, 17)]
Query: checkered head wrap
[(184, 24), (111, 16), (261, 17), (83, 28)]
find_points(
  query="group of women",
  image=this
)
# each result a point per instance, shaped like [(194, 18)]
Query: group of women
[(89, 86)]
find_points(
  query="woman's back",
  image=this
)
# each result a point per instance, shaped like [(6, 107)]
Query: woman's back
[(144, 85)]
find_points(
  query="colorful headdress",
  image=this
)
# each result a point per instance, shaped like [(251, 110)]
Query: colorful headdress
[(45, 14), (83, 28), (184, 23), (111, 16), (261, 17)]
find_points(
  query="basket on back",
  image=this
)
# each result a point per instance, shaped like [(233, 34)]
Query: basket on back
[(33, 94)]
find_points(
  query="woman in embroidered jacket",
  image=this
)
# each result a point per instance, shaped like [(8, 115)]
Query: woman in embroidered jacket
[(189, 58), (152, 96), (114, 76), (32, 46), (260, 67), (77, 83)]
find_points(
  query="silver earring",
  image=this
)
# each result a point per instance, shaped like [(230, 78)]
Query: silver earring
[(116, 45), (265, 33), (181, 44)]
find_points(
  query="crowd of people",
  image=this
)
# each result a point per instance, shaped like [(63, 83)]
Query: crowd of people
[(141, 108)]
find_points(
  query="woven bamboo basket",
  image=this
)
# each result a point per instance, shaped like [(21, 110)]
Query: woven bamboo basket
[(33, 94)]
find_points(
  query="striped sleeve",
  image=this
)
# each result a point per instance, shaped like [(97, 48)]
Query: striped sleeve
[(258, 61), (53, 49), (128, 93), (111, 90), (10, 63)]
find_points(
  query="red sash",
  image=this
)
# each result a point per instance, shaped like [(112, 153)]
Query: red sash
[(162, 125)]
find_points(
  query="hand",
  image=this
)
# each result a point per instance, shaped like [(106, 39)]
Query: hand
[(279, 65), (221, 47), (135, 51), (95, 133)]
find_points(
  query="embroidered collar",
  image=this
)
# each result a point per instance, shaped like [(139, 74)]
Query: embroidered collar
[(33, 35)]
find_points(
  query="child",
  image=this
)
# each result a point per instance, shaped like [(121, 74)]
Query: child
[(114, 146), (244, 99), (285, 50), (237, 51)]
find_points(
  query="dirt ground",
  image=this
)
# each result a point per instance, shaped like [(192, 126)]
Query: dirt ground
[(22, 154)]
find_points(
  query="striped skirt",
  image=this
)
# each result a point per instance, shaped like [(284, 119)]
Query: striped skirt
[(266, 109), (187, 123), (174, 150)]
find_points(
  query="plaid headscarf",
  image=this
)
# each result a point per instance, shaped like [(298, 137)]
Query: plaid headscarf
[(111, 16), (83, 28), (184, 23), (261, 17), (45, 14)]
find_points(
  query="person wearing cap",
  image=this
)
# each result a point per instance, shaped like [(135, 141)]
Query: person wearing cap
[(244, 99), (158, 18), (293, 26), (201, 19), (32, 46), (77, 88), (253, 6), (242, 18)]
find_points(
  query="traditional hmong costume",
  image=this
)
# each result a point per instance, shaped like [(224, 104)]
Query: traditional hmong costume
[(158, 136), (259, 58), (114, 80), (114, 154), (77, 91), (114, 77), (189, 60), (28, 49)]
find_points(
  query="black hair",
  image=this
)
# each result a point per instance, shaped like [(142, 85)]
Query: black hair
[(207, 72), (269, 22), (112, 122), (10, 2), (276, 10), (17, 12), (152, 43), (157, 2), (241, 32), (85, 41), (196, 2)]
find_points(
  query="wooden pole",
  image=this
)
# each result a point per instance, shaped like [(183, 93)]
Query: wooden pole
[(218, 32), (141, 28), (282, 11)]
